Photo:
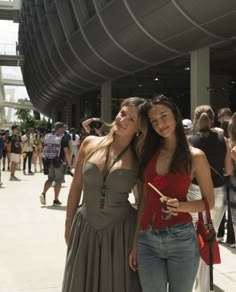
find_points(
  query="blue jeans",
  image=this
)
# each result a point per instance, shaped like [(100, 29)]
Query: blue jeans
[(168, 256)]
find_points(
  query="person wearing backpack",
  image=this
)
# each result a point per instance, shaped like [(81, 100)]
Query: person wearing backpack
[(56, 154)]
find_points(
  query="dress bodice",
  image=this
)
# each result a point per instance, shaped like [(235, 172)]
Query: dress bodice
[(119, 183)]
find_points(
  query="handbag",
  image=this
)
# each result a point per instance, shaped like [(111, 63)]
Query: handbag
[(208, 245)]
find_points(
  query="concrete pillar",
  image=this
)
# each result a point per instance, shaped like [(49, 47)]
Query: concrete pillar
[(200, 78), (106, 101)]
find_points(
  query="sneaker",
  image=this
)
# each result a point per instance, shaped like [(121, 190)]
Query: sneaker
[(30, 173), (3, 169), (13, 178), (1, 184), (233, 245), (24, 172), (43, 199), (56, 203), (8, 168), (220, 239)]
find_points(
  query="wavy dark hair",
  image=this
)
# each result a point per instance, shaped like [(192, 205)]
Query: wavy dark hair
[(182, 160)]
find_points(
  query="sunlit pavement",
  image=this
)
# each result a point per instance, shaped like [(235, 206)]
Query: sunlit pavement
[(32, 247)]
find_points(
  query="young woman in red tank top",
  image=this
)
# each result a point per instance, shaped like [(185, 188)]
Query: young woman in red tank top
[(165, 248)]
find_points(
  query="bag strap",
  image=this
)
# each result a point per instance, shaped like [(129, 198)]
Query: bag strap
[(215, 171), (212, 233), (208, 213)]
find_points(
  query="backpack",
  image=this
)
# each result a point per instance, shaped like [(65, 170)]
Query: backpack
[(52, 146)]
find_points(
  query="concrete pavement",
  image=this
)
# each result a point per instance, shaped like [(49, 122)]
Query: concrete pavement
[(32, 247)]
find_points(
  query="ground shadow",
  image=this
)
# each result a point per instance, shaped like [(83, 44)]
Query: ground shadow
[(58, 208), (232, 250), (217, 289)]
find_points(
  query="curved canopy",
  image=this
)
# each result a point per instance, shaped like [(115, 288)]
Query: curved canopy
[(73, 46)]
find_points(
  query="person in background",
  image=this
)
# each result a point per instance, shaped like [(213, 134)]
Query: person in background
[(27, 148), (216, 148), (38, 151), (56, 153), (188, 127), (15, 151), (94, 126), (99, 232), (224, 116), (6, 151), (74, 146), (232, 186), (165, 248)]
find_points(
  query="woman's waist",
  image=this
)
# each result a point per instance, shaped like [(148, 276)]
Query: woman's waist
[(168, 229), (155, 219), (101, 217)]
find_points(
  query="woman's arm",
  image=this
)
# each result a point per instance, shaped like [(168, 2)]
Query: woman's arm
[(233, 153), (75, 188), (141, 205), (228, 165), (201, 171), (87, 122)]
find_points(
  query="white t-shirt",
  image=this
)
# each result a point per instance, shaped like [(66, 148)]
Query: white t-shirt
[(76, 141)]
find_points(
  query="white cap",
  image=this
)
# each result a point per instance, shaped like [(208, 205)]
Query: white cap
[(188, 124)]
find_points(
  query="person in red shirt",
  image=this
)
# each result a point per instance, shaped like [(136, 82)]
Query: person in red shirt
[(165, 247)]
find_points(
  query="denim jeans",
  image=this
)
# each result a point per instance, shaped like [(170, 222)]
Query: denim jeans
[(168, 257)]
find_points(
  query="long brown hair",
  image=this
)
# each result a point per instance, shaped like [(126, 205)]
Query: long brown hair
[(232, 130), (109, 138), (153, 141)]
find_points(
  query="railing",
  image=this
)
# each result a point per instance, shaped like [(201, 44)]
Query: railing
[(10, 4), (8, 49)]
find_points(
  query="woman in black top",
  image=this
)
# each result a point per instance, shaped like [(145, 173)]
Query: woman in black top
[(217, 151)]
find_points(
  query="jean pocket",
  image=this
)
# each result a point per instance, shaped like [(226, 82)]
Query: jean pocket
[(183, 232)]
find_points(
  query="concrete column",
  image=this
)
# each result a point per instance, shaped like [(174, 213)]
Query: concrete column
[(106, 101), (200, 78)]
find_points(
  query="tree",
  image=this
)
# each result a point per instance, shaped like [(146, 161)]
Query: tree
[(29, 118)]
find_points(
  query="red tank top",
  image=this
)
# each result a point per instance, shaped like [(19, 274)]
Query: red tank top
[(173, 185)]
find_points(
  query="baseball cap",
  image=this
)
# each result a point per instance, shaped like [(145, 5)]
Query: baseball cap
[(188, 124), (58, 125)]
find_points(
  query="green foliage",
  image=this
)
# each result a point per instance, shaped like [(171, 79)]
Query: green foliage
[(29, 118)]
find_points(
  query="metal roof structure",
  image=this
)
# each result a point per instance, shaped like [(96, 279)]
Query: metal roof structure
[(72, 47)]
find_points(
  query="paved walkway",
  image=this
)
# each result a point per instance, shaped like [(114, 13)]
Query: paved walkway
[(32, 247)]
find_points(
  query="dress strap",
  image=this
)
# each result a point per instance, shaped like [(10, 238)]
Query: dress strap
[(106, 171)]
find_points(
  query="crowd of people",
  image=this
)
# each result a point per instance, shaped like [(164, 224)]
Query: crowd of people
[(173, 164)]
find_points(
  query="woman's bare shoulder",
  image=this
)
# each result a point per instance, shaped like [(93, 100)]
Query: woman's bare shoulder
[(91, 141), (197, 154)]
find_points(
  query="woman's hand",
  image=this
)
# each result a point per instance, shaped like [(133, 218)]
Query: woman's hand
[(173, 206), (133, 258)]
